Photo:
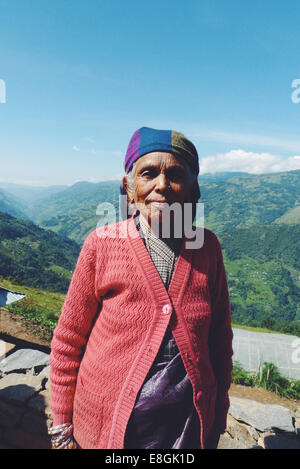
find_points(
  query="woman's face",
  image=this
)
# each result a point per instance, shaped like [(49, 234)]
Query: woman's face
[(160, 179)]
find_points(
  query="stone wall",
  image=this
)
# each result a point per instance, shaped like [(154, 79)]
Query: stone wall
[(25, 411), (252, 424), (24, 397)]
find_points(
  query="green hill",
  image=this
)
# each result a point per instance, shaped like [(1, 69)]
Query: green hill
[(79, 196), (72, 212), (229, 201), (280, 243), (29, 194), (249, 200), (291, 217), (263, 268), (12, 205), (34, 256), (221, 175), (40, 308)]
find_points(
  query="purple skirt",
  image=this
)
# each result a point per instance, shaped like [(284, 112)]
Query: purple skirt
[(164, 416)]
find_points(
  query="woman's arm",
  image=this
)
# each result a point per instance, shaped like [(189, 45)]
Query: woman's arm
[(71, 333)]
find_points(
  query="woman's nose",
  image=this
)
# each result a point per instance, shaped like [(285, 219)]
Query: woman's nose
[(162, 182)]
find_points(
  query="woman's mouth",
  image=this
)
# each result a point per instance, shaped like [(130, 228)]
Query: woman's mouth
[(158, 205)]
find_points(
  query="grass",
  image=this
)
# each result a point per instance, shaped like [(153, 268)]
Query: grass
[(267, 377), (41, 308), (253, 329)]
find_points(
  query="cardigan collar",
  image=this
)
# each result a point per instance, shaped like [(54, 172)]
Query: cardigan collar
[(152, 277)]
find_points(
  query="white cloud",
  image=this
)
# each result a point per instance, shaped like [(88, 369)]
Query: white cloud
[(26, 182), (108, 177), (250, 162), (75, 148), (236, 138), (117, 153)]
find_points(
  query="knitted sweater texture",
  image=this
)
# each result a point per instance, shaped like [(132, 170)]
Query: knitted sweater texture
[(113, 321)]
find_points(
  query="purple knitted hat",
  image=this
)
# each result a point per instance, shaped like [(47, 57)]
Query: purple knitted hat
[(146, 140)]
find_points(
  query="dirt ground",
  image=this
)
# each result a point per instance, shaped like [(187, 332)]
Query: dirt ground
[(16, 326), (261, 395), (20, 328)]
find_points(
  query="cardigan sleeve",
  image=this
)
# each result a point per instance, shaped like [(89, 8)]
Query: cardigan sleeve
[(71, 334), (220, 341)]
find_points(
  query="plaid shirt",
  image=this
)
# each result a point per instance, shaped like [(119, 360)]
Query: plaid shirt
[(164, 254), (161, 251), (167, 387)]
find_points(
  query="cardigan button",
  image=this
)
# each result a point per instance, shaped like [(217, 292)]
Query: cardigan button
[(167, 309)]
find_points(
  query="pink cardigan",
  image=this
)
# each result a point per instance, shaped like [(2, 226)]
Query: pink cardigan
[(113, 321)]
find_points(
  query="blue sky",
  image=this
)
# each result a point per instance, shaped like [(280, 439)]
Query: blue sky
[(81, 77)]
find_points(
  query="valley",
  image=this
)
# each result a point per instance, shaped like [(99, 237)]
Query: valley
[(255, 217)]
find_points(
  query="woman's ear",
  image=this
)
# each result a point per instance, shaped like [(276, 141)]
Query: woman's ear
[(126, 189), (124, 185), (123, 188), (127, 203), (195, 194)]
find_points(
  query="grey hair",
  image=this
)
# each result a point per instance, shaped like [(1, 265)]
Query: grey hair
[(130, 177)]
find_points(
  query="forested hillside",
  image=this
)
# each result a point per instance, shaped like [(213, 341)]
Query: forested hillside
[(249, 200), (35, 257), (238, 200), (263, 266), (73, 211), (256, 218), (12, 205)]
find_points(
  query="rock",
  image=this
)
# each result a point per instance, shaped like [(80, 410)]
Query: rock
[(24, 359), (261, 443), (5, 348), (227, 442), (41, 403), (237, 436), (10, 415), (297, 421), (263, 417), (281, 441), (25, 413), (253, 433), (297, 426), (23, 439), (34, 423), (45, 372), (17, 388)]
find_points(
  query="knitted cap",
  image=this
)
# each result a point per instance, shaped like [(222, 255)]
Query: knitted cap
[(146, 140)]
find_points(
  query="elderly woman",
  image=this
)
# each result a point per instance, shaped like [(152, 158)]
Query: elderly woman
[(142, 354)]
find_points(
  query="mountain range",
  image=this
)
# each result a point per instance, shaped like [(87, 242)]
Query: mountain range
[(256, 217), (230, 200)]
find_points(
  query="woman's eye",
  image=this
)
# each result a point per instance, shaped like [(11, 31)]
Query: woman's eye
[(149, 173), (175, 175)]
